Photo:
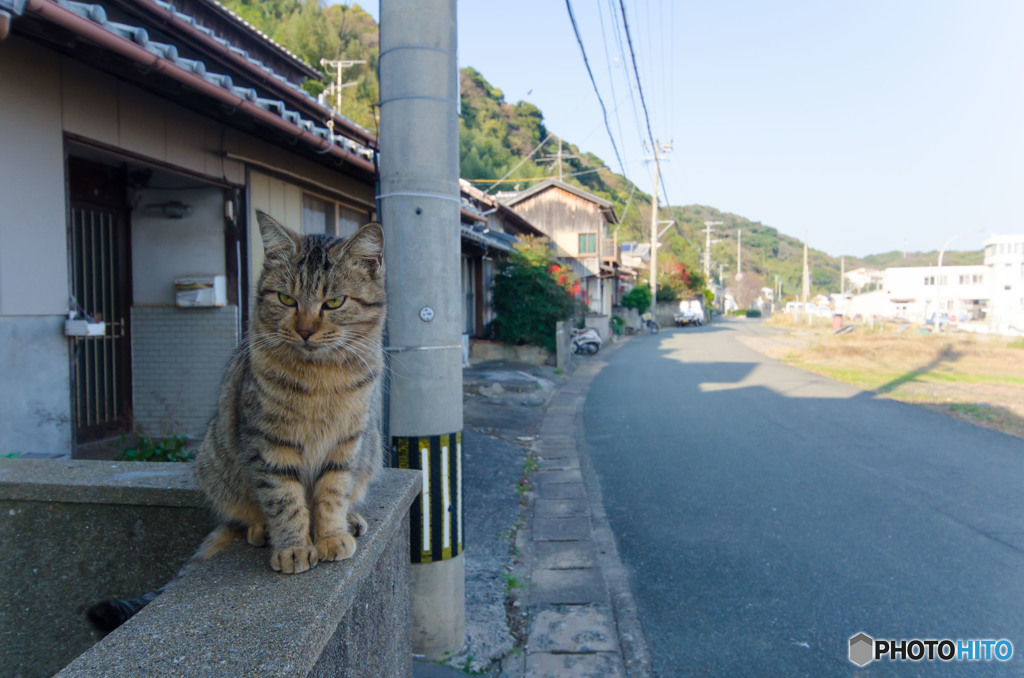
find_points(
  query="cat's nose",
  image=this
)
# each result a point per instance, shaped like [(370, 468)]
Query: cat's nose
[(305, 334)]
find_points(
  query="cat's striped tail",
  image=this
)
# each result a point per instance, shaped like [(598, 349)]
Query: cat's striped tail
[(107, 615)]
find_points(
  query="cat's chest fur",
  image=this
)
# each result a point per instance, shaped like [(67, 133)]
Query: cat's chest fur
[(322, 408)]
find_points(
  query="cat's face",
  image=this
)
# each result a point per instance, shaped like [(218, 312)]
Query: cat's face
[(321, 298)]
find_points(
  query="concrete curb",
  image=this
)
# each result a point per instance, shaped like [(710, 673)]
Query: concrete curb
[(582, 617)]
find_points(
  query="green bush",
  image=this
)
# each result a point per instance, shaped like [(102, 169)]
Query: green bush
[(171, 448), (639, 298), (753, 313), (530, 294), (616, 323)]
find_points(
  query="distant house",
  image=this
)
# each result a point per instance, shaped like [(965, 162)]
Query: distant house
[(139, 137), (578, 223), (864, 279)]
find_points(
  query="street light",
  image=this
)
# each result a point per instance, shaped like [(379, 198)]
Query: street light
[(938, 275)]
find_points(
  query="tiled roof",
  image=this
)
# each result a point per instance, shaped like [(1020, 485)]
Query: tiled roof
[(140, 36), (490, 238)]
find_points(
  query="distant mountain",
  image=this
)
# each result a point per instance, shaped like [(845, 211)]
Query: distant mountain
[(496, 137)]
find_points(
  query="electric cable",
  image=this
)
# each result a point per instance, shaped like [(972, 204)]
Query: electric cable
[(586, 62)]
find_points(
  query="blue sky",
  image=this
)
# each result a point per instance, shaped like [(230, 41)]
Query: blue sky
[(869, 126)]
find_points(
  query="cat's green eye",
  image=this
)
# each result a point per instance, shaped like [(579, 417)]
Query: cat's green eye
[(334, 303), (286, 300)]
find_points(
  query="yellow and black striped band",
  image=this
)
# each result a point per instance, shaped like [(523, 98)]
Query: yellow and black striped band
[(435, 518)]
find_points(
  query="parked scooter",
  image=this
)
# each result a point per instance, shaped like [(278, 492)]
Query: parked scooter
[(586, 341)]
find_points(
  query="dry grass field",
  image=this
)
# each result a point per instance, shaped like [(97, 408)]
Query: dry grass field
[(973, 377)]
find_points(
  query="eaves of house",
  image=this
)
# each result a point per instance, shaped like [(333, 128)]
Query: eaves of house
[(174, 54), (475, 208)]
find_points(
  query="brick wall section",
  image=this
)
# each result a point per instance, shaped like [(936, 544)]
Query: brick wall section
[(178, 358)]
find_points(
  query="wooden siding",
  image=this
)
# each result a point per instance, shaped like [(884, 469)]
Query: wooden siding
[(556, 211)]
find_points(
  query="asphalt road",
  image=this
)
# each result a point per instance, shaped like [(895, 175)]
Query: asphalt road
[(767, 515)]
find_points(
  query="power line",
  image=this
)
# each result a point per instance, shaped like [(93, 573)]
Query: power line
[(520, 163), (629, 85), (611, 76), (586, 62), (643, 101)]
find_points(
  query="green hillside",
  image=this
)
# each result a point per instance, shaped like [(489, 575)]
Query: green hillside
[(496, 137)]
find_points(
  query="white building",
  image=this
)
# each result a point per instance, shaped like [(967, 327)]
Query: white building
[(991, 293), (1004, 258)]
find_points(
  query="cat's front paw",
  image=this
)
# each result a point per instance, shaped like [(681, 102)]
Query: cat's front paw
[(294, 559), (336, 546), (356, 524)]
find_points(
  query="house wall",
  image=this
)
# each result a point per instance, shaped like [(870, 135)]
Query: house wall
[(34, 381), (563, 216), (50, 103), (279, 199), (178, 354), (164, 249)]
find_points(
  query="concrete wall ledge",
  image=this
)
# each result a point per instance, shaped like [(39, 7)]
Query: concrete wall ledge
[(233, 615)]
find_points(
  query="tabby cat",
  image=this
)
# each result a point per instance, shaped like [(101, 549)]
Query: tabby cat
[(296, 436)]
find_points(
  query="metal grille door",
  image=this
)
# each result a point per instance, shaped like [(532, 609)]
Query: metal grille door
[(99, 270)]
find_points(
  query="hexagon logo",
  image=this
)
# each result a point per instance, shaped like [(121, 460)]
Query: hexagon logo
[(862, 649)]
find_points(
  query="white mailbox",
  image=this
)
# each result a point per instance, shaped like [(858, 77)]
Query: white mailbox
[(198, 290), (80, 327)]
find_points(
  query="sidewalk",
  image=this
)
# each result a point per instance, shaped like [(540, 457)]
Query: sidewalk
[(556, 602)]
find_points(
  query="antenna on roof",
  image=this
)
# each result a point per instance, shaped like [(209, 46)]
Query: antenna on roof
[(337, 85)]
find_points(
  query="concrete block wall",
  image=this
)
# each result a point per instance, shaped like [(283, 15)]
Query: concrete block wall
[(79, 531), (76, 532), (178, 359)]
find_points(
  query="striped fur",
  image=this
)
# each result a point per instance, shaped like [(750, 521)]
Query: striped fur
[(296, 437)]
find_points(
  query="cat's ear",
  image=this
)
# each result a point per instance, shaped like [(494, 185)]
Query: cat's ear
[(277, 240), (366, 248)]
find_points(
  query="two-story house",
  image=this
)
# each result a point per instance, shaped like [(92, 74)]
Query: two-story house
[(578, 223)]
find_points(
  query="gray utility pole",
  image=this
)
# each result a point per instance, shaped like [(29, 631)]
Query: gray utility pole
[(419, 209), (337, 85), (707, 249), (656, 158)]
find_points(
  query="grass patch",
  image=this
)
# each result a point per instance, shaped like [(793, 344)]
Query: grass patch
[(975, 378)]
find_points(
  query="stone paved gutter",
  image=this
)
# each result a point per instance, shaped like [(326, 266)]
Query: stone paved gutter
[(568, 606)]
